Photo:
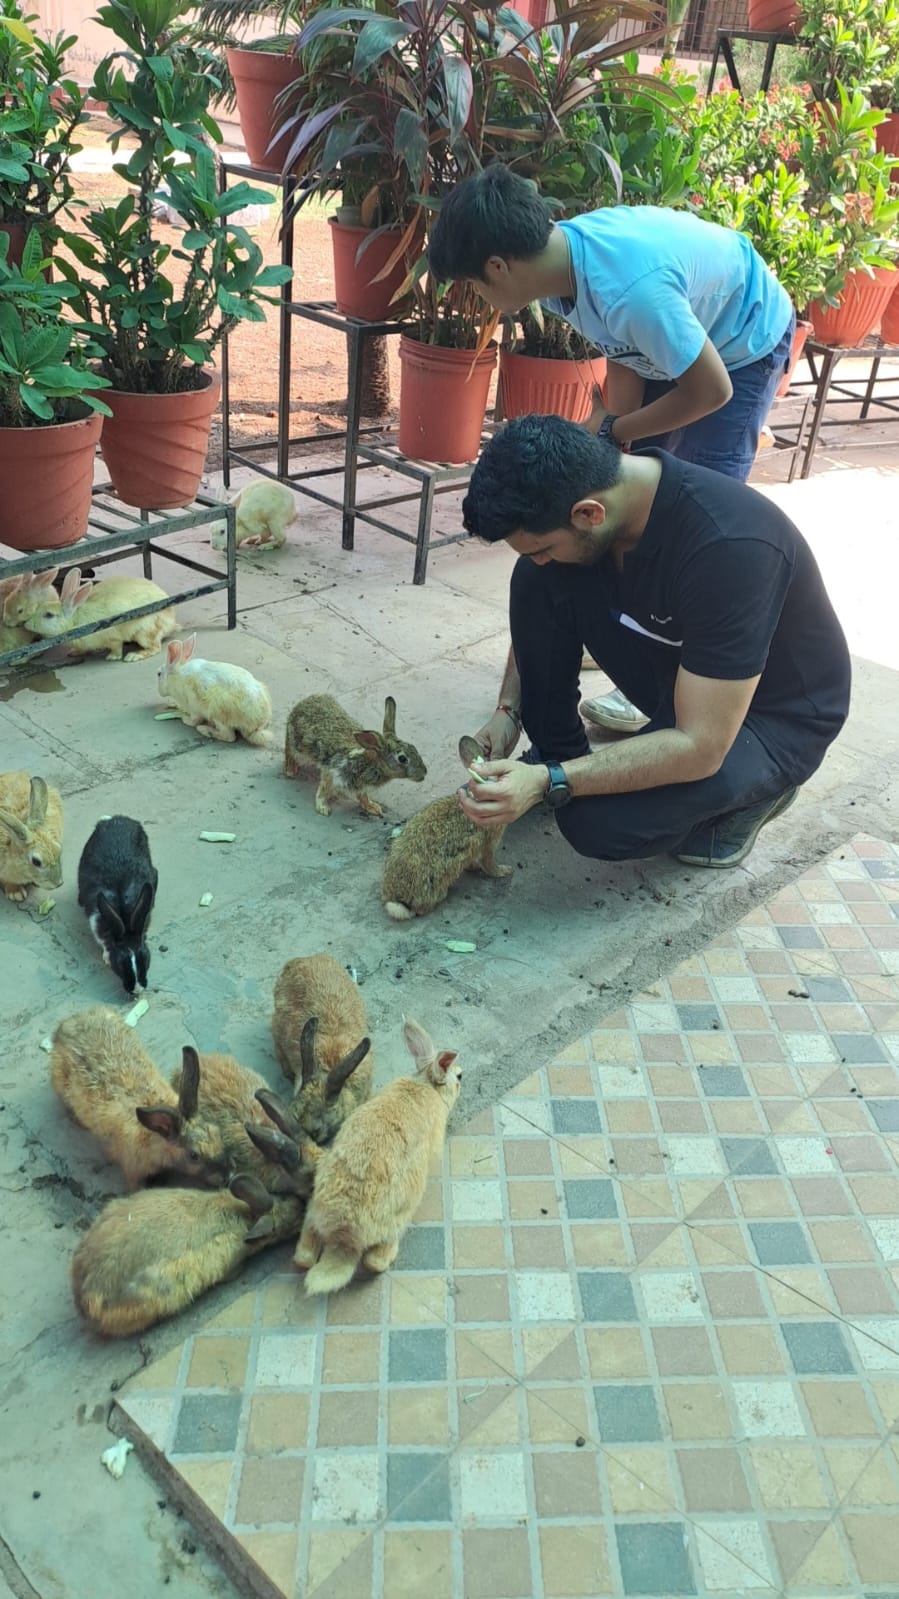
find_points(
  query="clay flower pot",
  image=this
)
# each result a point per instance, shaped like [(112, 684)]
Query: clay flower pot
[(889, 325), (774, 16), (887, 136), (46, 478), (155, 445), (259, 77), (531, 385), (803, 330), (862, 304), (354, 292), (442, 401)]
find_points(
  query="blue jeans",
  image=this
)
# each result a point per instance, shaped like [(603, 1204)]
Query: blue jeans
[(727, 440)]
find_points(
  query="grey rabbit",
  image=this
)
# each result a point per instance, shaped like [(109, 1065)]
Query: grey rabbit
[(116, 889)]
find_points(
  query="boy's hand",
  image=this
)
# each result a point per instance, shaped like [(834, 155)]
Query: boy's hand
[(514, 789), (498, 737)]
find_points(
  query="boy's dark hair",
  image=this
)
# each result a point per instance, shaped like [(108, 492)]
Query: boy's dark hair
[(532, 473), (493, 213)]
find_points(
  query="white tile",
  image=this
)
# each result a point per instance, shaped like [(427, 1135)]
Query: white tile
[(660, 1018), (768, 1410), (880, 1350), (733, 1556), (847, 871), (491, 1487), (621, 1082), (831, 915), (153, 1415), (886, 1237), (890, 959), (759, 937), (478, 1199), (345, 1487), (808, 1049), (805, 1157), (890, 1042), (736, 990), (524, 1118), (694, 1157), (285, 1360), (545, 1296), (670, 1296)]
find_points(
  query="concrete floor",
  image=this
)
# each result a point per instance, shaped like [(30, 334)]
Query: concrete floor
[(557, 948)]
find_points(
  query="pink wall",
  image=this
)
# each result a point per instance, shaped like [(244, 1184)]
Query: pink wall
[(75, 16)]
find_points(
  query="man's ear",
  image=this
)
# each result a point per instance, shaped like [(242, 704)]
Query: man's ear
[(588, 515)]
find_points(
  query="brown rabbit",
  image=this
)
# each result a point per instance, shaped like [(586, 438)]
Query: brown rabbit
[(350, 759), (30, 834), (320, 1030), (110, 1086), (430, 855), (369, 1184), (150, 1255), (226, 1102)]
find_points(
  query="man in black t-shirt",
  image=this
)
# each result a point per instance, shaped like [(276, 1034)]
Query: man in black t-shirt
[(704, 605)]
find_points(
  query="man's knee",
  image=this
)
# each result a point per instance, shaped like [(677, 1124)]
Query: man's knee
[(601, 830)]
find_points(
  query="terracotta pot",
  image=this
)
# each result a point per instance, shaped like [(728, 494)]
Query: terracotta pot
[(15, 232), (889, 325), (887, 136), (354, 292), (46, 478), (529, 384), (862, 304), (803, 329), (259, 78), (774, 16), (442, 408), (155, 445)]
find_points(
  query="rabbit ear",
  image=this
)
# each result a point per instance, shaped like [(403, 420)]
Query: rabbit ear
[(274, 1145), (263, 1228), (70, 585), (138, 918), (159, 1119), (373, 742), (84, 593), (276, 1110), (15, 826), (418, 1043), (111, 916), (389, 717), (38, 797), (173, 652), (469, 750), (343, 1071), (188, 646), (251, 1193), (307, 1050), (9, 588), (190, 1082), (444, 1061)]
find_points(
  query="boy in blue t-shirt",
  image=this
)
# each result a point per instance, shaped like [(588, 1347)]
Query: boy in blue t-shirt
[(696, 329)]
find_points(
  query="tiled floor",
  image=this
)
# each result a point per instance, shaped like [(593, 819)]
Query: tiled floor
[(644, 1336)]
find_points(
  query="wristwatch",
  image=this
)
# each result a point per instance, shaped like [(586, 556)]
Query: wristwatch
[(559, 792), (604, 431)]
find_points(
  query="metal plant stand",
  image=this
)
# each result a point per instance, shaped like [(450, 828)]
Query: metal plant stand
[(724, 47), (821, 388)]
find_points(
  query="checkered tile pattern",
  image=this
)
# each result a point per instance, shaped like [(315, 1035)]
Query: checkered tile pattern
[(643, 1338)]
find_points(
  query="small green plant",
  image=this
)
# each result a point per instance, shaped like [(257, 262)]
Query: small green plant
[(41, 109), (855, 43), (45, 377), (849, 188)]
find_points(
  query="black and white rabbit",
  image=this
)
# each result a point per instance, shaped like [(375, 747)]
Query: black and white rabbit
[(116, 889)]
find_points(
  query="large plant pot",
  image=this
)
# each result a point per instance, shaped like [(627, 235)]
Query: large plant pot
[(15, 232), (774, 16), (862, 304), (354, 292), (531, 385), (442, 401), (889, 325), (803, 331), (46, 477), (887, 136), (155, 445), (259, 77)]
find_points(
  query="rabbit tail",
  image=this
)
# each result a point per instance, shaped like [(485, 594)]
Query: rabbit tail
[(337, 1263), (262, 737), (399, 912)]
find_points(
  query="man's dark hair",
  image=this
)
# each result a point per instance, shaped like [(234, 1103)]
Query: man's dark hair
[(532, 473), (493, 213)]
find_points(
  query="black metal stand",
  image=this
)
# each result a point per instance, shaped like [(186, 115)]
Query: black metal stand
[(821, 389), (723, 47), (115, 531)]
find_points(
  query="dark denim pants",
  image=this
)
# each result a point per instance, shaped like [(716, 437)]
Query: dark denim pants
[(727, 440)]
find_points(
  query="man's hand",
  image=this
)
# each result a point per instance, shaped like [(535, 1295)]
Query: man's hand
[(498, 737), (517, 788)]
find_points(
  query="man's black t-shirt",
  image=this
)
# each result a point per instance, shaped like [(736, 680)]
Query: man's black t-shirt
[(727, 581)]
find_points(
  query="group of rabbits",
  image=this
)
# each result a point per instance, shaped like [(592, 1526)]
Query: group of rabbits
[(342, 1168)]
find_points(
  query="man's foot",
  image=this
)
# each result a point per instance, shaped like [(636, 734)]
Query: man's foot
[(728, 841), (614, 712)]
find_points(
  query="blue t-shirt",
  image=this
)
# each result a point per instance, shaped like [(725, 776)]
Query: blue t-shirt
[(654, 284)]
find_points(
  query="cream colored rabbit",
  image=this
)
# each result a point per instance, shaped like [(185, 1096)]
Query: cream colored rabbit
[(30, 834), (371, 1181), (81, 603), (431, 854), (150, 1255), (350, 758), (218, 699), (265, 510), (21, 596)]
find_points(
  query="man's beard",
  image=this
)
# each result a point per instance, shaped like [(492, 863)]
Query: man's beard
[(591, 547)]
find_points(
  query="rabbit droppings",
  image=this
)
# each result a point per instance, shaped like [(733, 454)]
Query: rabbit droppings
[(30, 834), (370, 1183), (430, 855), (81, 603), (150, 1255), (218, 699), (350, 758), (320, 1031), (264, 513)]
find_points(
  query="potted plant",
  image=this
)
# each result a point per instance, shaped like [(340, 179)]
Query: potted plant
[(856, 43), (50, 417), (774, 16), (550, 370), (255, 68), (156, 336), (40, 111)]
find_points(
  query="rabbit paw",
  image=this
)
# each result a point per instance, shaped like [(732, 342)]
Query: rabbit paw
[(380, 1257), (370, 807), (17, 892)]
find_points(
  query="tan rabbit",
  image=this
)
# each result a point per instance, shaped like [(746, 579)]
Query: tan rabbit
[(30, 834), (350, 759), (80, 603), (110, 1086), (319, 1027), (430, 855), (265, 511), (369, 1184), (21, 596), (227, 1101), (218, 699), (150, 1255)]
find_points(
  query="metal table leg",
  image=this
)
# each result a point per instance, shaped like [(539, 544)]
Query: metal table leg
[(425, 512), (824, 376), (285, 330), (869, 391), (355, 336)]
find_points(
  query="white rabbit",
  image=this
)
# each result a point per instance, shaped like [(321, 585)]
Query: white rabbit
[(265, 511), (81, 603), (218, 699)]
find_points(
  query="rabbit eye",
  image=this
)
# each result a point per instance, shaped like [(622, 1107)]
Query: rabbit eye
[(36, 860), (402, 760), (192, 1155)]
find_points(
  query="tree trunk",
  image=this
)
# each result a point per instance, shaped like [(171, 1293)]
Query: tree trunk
[(375, 378)]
